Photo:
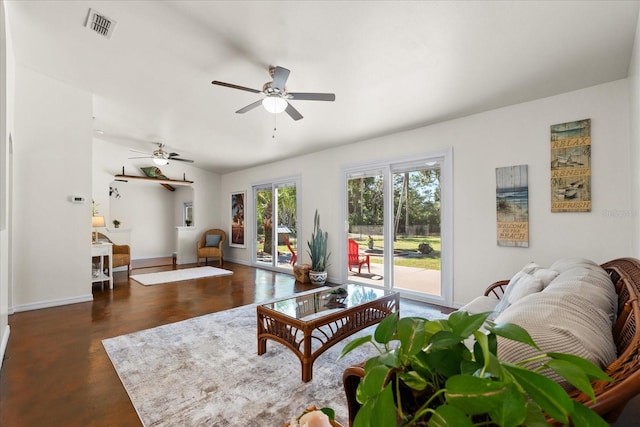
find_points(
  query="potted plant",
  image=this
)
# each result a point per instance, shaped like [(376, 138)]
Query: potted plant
[(116, 223), (424, 374), (318, 253), (187, 222)]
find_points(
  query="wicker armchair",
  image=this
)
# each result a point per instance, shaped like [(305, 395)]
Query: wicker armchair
[(121, 254), (611, 398), (212, 251)]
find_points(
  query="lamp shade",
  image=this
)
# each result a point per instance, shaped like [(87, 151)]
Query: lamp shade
[(160, 161), (97, 221), (274, 104)]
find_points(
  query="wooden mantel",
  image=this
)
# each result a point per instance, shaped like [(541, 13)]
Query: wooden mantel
[(156, 180)]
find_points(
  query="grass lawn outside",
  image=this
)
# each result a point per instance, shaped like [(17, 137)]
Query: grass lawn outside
[(407, 248)]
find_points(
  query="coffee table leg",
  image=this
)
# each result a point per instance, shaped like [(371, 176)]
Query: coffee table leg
[(307, 361), (262, 342)]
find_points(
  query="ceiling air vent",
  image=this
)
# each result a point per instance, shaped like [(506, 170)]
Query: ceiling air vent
[(100, 23)]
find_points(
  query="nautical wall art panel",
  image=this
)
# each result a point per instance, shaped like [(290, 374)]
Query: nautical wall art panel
[(571, 166), (512, 206)]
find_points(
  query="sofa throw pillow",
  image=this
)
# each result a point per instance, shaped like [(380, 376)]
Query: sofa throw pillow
[(212, 240), (528, 284), (520, 285), (546, 275), (531, 268)]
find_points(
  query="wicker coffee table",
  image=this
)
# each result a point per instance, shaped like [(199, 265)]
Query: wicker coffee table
[(311, 323)]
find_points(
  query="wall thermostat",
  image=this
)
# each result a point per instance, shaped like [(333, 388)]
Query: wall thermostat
[(77, 199)]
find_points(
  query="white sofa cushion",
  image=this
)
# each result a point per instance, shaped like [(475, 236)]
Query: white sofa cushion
[(520, 285), (481, 304), (573, 314), (546, 275)]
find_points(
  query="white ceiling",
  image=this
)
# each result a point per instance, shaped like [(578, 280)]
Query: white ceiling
[(393, 65)]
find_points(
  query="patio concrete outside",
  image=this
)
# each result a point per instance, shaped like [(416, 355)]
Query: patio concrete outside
[(405, 278)]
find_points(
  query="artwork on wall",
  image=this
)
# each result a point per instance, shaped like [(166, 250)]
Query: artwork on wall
[(512, 206), (571, 166), (237, 219)]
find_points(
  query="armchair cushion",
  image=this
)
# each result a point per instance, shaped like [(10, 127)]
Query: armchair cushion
[(212, 240), (121, 253)]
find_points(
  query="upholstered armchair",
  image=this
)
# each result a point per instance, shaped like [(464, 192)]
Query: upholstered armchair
[(121, 254), (210, 245)]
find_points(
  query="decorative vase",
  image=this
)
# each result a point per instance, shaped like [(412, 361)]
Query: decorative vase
[(317, 277)]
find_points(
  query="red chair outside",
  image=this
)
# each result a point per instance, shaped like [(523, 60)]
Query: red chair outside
[(294, 257), (355, 258)]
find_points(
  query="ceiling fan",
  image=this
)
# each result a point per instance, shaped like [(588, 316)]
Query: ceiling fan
[(160, 156), (277, 98)]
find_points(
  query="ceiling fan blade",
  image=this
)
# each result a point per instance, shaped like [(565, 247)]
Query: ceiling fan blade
[(181, 160), (232, 86), (295, 114), (145, 157), (280, 76), (249, 107), (301, 96), (141, 152)]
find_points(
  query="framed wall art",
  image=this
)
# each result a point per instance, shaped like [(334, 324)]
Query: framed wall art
[(571, 166), (237, 220), (512, 206)]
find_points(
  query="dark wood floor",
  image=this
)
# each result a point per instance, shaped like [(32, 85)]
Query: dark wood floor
[(56, 371)]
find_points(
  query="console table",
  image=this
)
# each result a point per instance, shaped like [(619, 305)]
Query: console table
[(102, 250)]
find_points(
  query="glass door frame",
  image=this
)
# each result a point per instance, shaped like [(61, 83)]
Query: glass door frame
[(444, 160), (273, 184)]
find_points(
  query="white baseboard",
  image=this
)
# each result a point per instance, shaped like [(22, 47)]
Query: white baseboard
[(238, 261), (4, 343), (52, 303)]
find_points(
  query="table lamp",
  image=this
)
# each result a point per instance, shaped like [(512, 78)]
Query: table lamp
[(96, 221)]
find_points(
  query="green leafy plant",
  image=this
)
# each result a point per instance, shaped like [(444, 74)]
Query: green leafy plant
[(424, 374), (318, 246), (116, 223)]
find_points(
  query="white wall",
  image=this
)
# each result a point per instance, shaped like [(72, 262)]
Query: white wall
[(51, 161), (149, 210), (634, 115), (513, 135), (6, 127)]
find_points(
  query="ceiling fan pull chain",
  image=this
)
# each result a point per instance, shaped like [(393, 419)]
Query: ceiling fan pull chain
[(274, 126)]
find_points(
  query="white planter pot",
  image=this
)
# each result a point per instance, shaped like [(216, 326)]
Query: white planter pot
[(317, 277)]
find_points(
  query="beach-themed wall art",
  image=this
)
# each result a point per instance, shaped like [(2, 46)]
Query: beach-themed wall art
[(512, 206), (571, 166)]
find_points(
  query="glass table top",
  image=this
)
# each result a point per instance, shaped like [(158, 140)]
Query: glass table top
[(327, 301)]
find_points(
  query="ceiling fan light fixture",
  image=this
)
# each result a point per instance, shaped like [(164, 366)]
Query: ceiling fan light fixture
[(274, 104), (160, 161)]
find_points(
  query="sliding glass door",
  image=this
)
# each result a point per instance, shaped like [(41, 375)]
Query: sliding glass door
[(276, 213), (365, 219), (395, 222), (416, 229)]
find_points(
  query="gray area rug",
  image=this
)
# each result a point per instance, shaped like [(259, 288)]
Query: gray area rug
[(205, 371)]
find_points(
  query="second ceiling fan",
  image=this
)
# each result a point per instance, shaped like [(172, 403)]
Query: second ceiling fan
[(277, 98), (160, 156)]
